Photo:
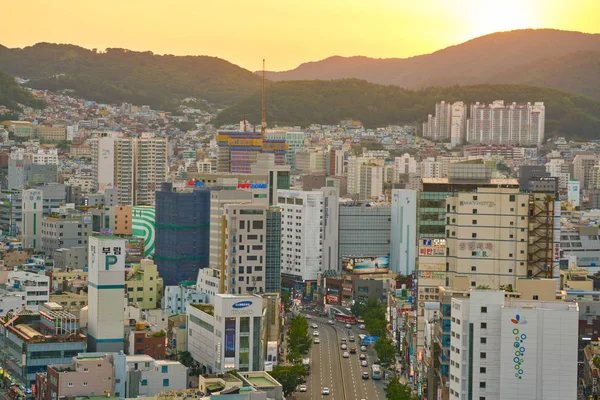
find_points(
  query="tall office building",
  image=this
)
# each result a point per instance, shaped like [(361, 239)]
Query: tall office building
[(405, 164), (512, 349), (218, 200), (133, 166), (244, 248), (294, 140), (237, 151), (337, 162), (278, 176), (403, 246), (511, 124), (309, 237), (33, 205), (364, 230), (106, 297), (273, 252), (182, 233), (311, 160)]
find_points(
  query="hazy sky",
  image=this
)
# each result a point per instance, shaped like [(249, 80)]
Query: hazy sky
[(285, 32)]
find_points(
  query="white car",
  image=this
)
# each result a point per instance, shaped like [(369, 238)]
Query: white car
[(302, 388), (314, 326), (316, 333), (348, 326), (363, 348), (361, 326), (317, 341), (344, 347), (331, 322), (346, 354), (364, 363), (325, 391)]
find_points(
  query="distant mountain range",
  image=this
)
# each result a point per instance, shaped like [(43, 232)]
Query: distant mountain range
[(545, 57), (12, 95), (119, 75), (328, 102), (569, 61)]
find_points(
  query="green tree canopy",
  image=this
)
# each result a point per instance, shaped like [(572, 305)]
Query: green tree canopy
[(289, 376), (396, 390), (386, 352)]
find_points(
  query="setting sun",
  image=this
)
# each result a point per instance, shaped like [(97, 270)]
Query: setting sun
[(286, 33)]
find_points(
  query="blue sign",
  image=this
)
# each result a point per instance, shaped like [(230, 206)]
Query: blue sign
[(259, 186), (369, 340), (242, 304)]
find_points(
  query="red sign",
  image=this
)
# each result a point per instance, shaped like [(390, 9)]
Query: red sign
[(557, 252), (244, 185), (191, 183)]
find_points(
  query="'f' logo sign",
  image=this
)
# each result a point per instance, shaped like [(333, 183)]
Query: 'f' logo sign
[(110, 260)]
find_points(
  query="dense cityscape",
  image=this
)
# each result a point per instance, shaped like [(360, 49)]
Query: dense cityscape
[(177, 252)]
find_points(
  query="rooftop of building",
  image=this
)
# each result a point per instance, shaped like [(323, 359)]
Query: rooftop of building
[(227, 377), (206, 308), (259, 379)]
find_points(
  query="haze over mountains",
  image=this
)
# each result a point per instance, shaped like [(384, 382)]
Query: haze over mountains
[(560, 59)]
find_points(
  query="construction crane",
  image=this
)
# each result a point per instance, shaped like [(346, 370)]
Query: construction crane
[(263, 124)]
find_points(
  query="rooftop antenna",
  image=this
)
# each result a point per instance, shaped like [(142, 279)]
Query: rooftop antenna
[(263, 125), (244, 123)]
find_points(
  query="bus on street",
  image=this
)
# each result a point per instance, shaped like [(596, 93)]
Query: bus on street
[(375, 371), (347, 319)]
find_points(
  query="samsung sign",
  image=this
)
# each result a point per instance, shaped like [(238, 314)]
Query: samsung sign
[(242, 304)]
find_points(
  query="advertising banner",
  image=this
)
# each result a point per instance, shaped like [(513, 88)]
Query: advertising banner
[(271, 353), (229, 341), (366, 265)]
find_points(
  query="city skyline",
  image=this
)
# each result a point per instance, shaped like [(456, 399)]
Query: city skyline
[(287, 33)]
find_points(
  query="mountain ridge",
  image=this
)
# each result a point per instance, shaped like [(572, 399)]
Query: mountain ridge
[(480, 60)]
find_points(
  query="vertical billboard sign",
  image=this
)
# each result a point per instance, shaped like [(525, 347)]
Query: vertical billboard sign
[(229, 357)]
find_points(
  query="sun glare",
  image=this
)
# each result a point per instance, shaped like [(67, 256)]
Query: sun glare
[(506, 15)]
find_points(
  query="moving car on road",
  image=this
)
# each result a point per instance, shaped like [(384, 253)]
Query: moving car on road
[(316, 333), (344, 347), (346, 354), (314, 326), (352, 350), (302, 388), (364, 363), (363, 348), (317, 341), (362, 356), (365, 375), (325, 391)]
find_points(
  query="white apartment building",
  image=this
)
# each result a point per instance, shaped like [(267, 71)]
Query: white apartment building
[(134, 166), (39, 156), (147, 377), (310, 160), (176, 298), (583, 164), (431, 168), (558, 168), (365, 177), (510, 124), (245, 248), (512, 349), (227, 335), (309, 232), (35, 288), (406, 164), (458, 123)]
